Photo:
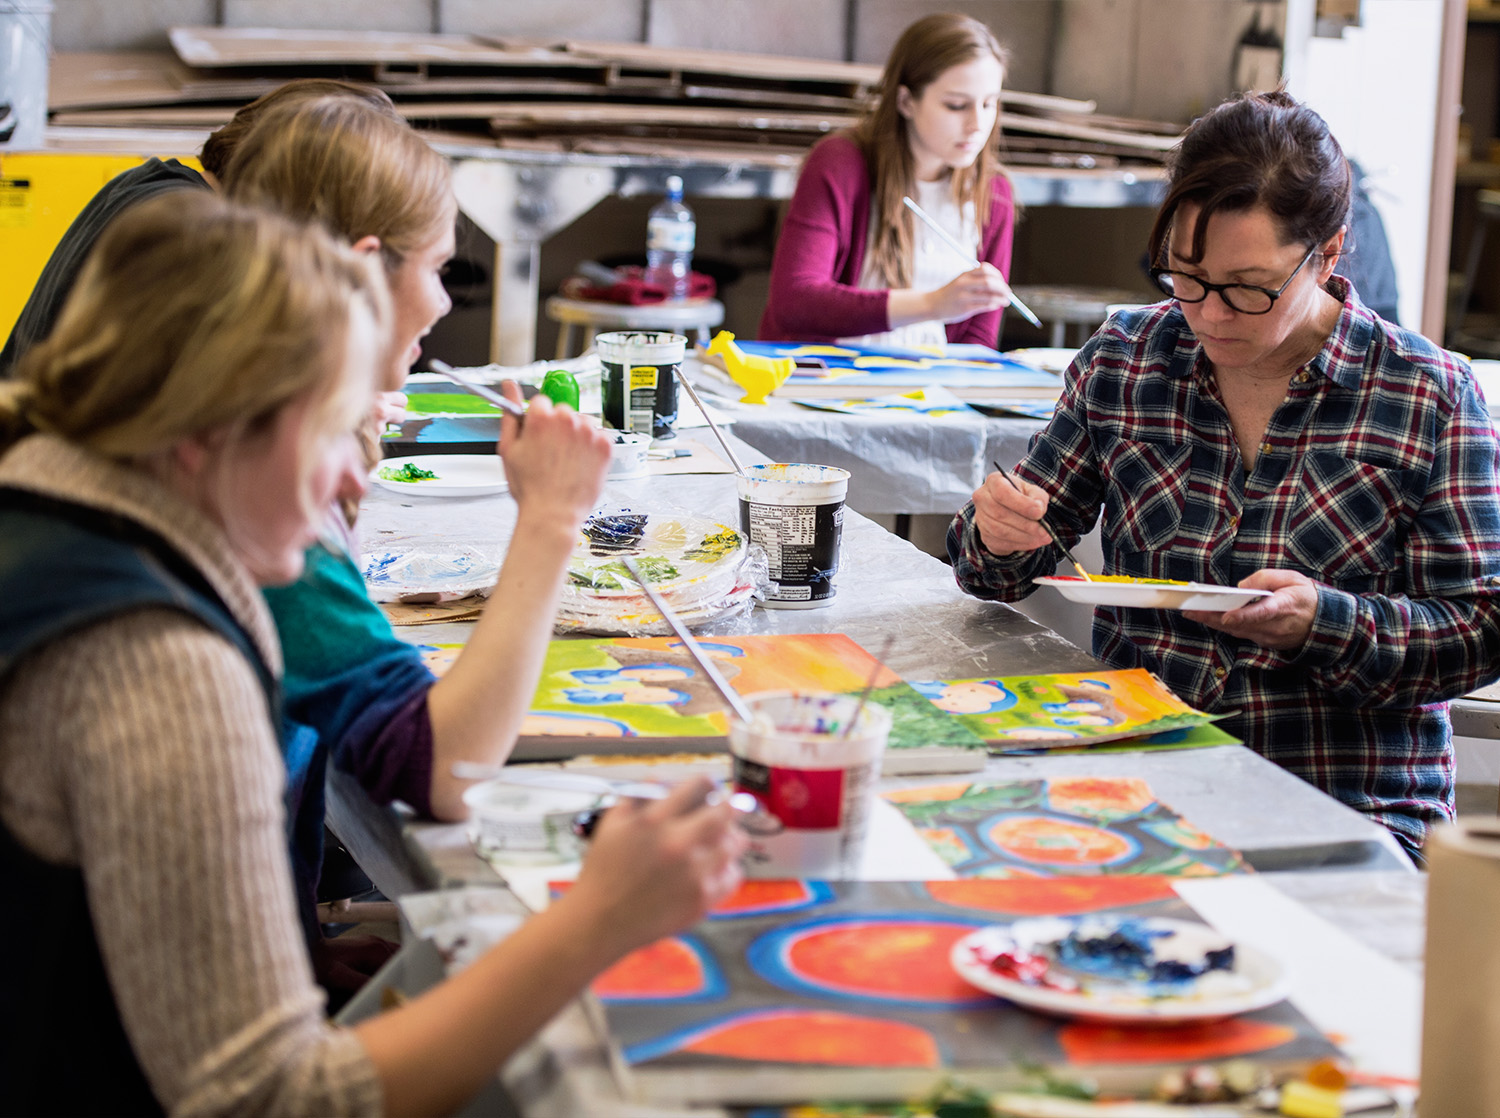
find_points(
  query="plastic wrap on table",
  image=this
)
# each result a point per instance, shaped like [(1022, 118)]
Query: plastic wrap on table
[(416, 569), (704, 569)]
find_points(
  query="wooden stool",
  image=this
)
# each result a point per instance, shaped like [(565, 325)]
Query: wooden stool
[(1063, 305), (697, 315)]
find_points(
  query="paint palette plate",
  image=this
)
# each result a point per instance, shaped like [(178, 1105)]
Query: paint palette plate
[(422, 573), (458, 475), (1152, 595), (1039, 964), (695, 563)]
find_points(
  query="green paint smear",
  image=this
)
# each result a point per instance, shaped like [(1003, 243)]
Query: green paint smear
[(408, 472), (448, 403)]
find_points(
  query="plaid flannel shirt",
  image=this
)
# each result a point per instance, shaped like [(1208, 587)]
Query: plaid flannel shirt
[(1376, 478)]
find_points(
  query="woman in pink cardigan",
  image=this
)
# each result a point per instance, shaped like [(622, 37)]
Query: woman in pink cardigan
[(853, 264)]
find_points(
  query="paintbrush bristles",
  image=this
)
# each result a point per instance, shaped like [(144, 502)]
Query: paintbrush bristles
[(1056, 541)]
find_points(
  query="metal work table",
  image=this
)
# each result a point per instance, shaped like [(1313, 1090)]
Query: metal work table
[(886, 587), (521, 198), (1344, 867)]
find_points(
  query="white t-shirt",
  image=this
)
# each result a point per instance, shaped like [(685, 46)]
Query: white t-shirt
[(935, 263)]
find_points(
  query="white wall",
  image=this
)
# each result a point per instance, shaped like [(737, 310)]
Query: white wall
[(1377, 88)]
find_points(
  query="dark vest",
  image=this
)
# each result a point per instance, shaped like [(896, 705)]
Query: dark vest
[(64, 567)]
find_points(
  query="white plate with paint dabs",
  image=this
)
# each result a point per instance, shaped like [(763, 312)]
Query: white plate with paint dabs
[(1119, 968), (1118, 590), (451, 475)]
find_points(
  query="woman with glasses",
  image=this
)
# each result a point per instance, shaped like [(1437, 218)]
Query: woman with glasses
[(1262, 428), (852, 263)]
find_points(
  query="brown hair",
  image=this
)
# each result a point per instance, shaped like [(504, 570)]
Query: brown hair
[(194, 315), (219, 148), (1258, 149), (926, 50), (357, 171)]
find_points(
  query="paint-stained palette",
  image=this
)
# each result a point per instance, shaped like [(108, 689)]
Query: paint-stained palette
[(1038, 964), (850, 992)]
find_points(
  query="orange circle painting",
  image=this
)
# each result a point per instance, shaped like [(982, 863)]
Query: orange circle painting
[(1049, 840)]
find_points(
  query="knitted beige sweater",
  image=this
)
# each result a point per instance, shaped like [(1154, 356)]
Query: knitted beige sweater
[(140, 750)]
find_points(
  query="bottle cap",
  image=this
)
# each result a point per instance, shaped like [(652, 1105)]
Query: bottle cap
[(561, 387), (674, 184)]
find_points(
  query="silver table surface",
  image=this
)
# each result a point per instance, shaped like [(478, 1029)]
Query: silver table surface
[(886, 587)]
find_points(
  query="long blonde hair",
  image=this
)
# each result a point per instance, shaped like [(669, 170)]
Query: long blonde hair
[(353, 168), (926, 50), (195, 316)]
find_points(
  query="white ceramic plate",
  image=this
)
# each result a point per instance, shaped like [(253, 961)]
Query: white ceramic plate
[(458, 475), (1254, 981), (1151, 595)]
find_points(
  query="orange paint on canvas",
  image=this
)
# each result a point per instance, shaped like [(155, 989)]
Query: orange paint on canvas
[(664, 969), (927, 793), (1161, 1044), (905, 959), (1051, 896), (841, 1039), (1110, 795), (1056, 842), (763, 893)]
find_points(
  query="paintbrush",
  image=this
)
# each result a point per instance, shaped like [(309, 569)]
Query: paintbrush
[(947, 239), (484, 392), (864, 696), (1077, 566), (712, 426), (695, 650)]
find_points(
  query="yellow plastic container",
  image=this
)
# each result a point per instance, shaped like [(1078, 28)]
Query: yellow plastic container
[(40, 195)]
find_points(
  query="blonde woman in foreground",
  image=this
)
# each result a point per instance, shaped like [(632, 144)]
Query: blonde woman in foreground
[(173, 446)]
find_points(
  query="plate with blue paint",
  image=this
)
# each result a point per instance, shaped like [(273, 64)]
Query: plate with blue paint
[(1119, 968), (422, 573)]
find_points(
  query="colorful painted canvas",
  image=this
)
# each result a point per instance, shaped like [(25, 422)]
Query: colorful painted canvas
[(933, 401), (1038, 713), (646, 695), (795, 990), (1061, 827), (956, 365)]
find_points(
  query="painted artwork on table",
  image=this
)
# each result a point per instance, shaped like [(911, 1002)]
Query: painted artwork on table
[(1050, 713), (845, 989), (961, 365), (1062, 826), (647, 695)]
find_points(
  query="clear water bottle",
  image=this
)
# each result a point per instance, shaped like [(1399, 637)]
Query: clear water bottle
[(671, 233)]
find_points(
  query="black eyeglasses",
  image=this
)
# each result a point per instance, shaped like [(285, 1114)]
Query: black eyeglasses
[(1243, 297)]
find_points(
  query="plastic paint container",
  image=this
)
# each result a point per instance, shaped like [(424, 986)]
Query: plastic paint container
[(25, 38), (795, 511), (640, 380), (628, 455), (516, 823), (794, 757)]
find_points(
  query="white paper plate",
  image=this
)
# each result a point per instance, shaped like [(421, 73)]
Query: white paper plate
[(458, 475), (1255, 981), (1150, 595)]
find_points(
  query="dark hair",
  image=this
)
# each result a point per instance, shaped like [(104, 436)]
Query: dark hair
[(1258, 149), (926, 50), (221, 145)]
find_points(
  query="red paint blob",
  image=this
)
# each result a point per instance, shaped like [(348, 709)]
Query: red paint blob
[(905, 959), (667, 968), (1159, 1044), (839, 1039)]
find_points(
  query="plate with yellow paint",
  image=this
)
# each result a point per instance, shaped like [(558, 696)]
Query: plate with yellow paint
[(1147, 593)]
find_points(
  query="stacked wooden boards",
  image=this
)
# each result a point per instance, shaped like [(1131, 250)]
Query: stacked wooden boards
[(555, 95)]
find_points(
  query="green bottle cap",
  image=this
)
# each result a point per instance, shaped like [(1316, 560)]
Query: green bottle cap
[(561, 387)]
